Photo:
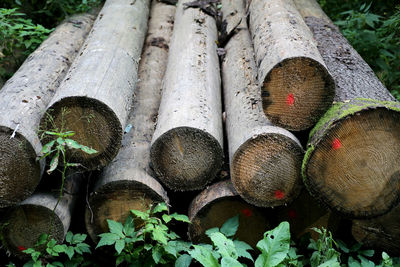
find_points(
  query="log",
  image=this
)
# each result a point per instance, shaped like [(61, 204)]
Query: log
[(186, 149), (23, 100), (86, 102), (41, 214), (351, 163), (128, 182), (296, 87), (381, 233), (219, 202), (265, 160)]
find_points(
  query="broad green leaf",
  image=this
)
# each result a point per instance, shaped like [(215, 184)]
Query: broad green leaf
[(115, 227), (160, 207), (353, 263), (47, 147), (230, 227), (59, 248), (183, 261), (156, 254), (342, 246), (211, 231), (84, 247), (242, 249), (274, 246), (72, 144), (69, 236), (129, 226), (53, 163), (180, 217), (78, 238), (68, 133), (42, 239), (60, 141), (333, 262), (159, 235), (224, 245), (119, 246), (166, 218), (107, 239), (70, 252), (204, 256), (365, 262), (142, 215), (367, 253), (230, 262), (176, 246), (120, 259), (88, 150)]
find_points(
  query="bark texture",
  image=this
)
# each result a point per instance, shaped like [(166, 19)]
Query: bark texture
[(296, 86), (186, 149), (381, 233), (40, 214), (23, 101), (129, 174), (220, 202), (351, 161), (265, 160), (95, 97)]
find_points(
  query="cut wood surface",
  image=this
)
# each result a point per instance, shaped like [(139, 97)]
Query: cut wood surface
[(265, 160), (23, 101), (220, 202), (128, 182), (36, 215), (381, 233), (353, 153), (296, 87), (186, 149), (95, 97)]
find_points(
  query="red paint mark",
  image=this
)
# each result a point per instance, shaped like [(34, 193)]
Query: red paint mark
[(279, 194), (247, 212), (290, 99), (336, 144), (292, 214), (21, 248)]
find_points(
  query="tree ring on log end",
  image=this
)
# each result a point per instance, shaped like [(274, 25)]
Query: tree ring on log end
[(25, 223), (186, 158), (114, 201), (296, 92), (355, 168), (266, 170), (95, 125), (252, 220), (20, 171)]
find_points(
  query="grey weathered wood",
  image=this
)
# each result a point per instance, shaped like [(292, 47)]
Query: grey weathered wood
[(265, 160), (23, 101), (296, 86), (95, 97), (186, 149), (351, 163), (41, 214), (130, 170)]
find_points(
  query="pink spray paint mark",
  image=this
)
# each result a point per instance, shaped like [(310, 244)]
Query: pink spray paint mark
[(336, 144), (279, 194), (290, 99)]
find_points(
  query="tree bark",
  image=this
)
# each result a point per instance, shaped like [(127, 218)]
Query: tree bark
[(265, 160), (41, 214), (95, 97), (23, 100), (220, 202), (381, 233), (352, 159), (296, 87), (186, 149), (128, 182)]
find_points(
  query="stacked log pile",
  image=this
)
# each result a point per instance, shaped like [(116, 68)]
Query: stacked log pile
[(282, 64)]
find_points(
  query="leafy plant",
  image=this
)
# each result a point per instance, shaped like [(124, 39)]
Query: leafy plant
[(19, 38), (70, 254), (145, 239)]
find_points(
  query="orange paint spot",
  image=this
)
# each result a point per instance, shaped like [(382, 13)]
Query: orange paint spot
[(336, 144), (290, 99), (279, 194), (292, 214), (247, 212), (21, 248)]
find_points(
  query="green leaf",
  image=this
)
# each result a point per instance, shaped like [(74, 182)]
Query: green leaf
[(70, 252), (211, 231), (159, 235), (119, 246), (156, 254), (142, 215), (224, 245), (166, 218), (204, 256), (183, 261), (116, 228), (53, 163), (333, 262), (42, 239), (59, 248), (69, 236), (230, 227), (78, 238), (180, 217), (242, 249), (160, 208), (88, 150), (129, 226), (107, 239), (343, 246), (367, 253), (230, 262), (353, 263), (47, 147), (274, 246), (72, 144)]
